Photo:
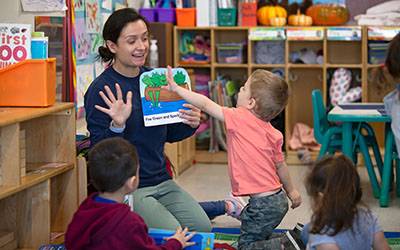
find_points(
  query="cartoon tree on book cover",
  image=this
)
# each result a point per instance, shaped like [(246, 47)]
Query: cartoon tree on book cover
[(154, 92), (158, 103)]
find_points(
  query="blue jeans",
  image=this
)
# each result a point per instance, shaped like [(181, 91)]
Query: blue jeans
[(213, 208), (259, 218)]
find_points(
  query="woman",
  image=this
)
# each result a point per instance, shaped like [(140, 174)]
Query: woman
[(113, 108)]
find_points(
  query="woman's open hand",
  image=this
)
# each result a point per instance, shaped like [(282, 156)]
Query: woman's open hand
[(118, 110), (190, 117)]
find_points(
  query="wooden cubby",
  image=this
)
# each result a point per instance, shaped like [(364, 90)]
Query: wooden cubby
[(38, 184), (302, 78)]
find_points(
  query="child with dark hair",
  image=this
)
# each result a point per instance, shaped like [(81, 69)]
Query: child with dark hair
[(340, 220), (256, 163), (103, 221)]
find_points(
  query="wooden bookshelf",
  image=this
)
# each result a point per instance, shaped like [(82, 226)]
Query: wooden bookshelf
[(38, 180), (302, 78)]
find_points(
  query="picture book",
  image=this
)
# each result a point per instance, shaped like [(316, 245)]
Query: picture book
[(15, 43), (203, 241), (161, 106)]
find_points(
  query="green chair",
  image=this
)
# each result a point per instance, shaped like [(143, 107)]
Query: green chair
[(391, 157), (330, 138)]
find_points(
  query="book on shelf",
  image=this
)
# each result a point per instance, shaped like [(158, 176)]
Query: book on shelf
[(222, 92), (15, 43)]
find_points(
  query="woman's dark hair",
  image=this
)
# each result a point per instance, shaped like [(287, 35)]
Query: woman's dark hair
[(113, 27), (334, 187), (111, 162)]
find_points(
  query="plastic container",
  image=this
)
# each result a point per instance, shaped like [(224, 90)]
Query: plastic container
[(39, 45), (153, 55), (149, 14), (227, 17), (166, 15), (230, 53), (186, 17), (30, 83)]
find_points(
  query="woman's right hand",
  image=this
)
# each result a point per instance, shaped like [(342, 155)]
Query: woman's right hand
[(183, 237), (118, 110)]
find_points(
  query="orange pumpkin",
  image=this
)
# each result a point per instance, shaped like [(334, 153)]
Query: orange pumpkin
[(328, 14), (266, 12), (300, 20), (277, 21)]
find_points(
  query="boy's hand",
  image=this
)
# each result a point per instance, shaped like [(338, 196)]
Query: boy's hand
[(295, 198), (181, 236), (172, 86)]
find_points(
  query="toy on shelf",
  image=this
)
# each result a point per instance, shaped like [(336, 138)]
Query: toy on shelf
[(328, 14), (267, 13), (194, 48)]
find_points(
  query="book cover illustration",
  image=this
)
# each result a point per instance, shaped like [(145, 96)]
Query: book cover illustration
[(159, 105), (203, 241), (15, 43)]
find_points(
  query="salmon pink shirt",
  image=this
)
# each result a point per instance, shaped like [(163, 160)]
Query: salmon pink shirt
[(254, 149)]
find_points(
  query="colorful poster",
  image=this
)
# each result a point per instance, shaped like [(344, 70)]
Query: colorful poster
[(98, 68), (107, 5), (159, 105), (79, 5), (15, 43), (93, 16), (43, 5), (96, 41), (84, 76), (83, 41)]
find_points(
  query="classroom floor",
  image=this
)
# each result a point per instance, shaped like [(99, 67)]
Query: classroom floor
[(211, 182)]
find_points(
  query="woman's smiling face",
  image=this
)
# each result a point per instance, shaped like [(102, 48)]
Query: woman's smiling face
[(132, 46)]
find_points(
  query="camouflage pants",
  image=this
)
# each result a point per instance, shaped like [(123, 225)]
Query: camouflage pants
[(259, 218)]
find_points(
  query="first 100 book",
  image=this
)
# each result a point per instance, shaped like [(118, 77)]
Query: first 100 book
[(15, 43)]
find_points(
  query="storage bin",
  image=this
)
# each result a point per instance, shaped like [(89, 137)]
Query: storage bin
[(149, 14), (186, 17), (227, 17), (30, 83), (230, 53), (166, 15)]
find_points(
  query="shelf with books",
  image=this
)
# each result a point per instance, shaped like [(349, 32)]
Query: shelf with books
[(305, 62)]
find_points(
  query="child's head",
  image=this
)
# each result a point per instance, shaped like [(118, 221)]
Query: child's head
[(111, 163), (334, 187), (386, 76), (265, 93), (392, 62), (126, 35)]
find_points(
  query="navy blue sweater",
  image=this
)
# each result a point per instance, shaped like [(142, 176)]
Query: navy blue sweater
[(149, 141)]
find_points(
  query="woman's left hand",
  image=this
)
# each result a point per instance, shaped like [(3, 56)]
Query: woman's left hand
[(190, 117)]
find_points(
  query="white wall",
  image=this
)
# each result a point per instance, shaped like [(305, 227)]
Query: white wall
[(11, 12)]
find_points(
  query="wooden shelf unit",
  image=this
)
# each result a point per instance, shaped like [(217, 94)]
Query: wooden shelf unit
[(38, 184), (302, 78)]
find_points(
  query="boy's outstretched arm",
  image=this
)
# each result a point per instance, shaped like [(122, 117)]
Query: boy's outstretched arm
[(198, 100), (284, 176)]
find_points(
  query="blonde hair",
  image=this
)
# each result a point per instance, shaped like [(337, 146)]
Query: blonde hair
[(270, 92)]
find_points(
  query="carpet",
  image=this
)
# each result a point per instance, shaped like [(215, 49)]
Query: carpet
[(225, 237)]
